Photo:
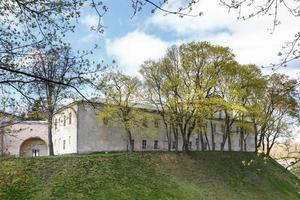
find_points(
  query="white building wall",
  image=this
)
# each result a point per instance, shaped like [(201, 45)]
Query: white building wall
[(19, 132), (64, 130), (89, 134)]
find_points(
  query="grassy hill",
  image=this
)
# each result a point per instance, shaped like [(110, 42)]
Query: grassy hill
[(197, 175)]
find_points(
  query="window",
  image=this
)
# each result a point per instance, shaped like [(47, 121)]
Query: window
[(220, 114), (35, 152), (55, 123), (237, 130), (197, 142), (174, 145), (64, 144), (155, 144), (132, 144), (156, 123), (223, 128), (70, 118), (190, 145), (205, 145), (69, 139), (214, 128), (64, 120), (144, 144)]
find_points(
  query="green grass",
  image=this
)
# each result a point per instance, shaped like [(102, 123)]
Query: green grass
[(156, 175)]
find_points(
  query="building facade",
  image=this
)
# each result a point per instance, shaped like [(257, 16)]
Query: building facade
[(78, 128)]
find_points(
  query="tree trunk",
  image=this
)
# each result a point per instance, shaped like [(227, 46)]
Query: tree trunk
[(50, 142), (207, 141), (1, 143), (175, 132), (229, 143), (242, 139), (255, 138), (202, 142), (185, 144), (213, 144), (130, 141)]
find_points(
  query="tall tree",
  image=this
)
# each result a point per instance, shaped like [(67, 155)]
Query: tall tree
[(60, 64), (188, 75), (277, 107), (123, 94)]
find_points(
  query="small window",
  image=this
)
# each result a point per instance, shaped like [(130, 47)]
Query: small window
[(223, 128), (190, 145), (214, 128), (55, 123), (197, 141), (65, 120), (70, 118), (69, 139), (144, 144), (156, 123), (155, 144), (205, 145), (132, 144), (237, 130), (174, 145), (64, 144)]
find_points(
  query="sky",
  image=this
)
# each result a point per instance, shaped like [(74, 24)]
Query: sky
[(130, 40)]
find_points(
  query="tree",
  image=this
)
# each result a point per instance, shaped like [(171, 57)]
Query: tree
[(60, 64), (182, 84), (122, 94), (277, 108), (36, 111), (237, 85), (30, 26)]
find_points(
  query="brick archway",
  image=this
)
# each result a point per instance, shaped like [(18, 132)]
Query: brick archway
[(32, 147)]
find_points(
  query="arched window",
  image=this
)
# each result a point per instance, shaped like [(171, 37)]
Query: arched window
[(55, 123), (70, 118), (65, 120)]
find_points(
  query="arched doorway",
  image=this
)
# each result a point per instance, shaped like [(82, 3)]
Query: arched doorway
[(33, 147)]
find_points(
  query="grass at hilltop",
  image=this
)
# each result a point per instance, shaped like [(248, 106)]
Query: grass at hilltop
[(156, 175)]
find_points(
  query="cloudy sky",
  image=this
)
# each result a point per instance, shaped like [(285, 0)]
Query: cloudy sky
[(132, 40)]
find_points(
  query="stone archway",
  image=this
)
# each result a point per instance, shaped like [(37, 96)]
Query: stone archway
[(33, 147)]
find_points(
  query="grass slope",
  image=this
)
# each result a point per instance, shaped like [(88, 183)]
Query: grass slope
[(197, 175)]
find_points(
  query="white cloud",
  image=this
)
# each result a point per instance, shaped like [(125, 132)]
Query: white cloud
[(250, 40), (90, 20), (134, 48)]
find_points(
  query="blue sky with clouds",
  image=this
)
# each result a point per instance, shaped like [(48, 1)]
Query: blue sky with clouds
[(130, 41)]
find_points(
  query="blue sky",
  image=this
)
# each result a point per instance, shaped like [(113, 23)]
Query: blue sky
[(130, 41)]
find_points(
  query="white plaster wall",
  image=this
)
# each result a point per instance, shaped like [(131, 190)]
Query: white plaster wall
[(95, 136), (16, 134), (65, 131)]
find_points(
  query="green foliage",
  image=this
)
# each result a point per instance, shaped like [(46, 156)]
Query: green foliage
[(36, 112), (157, 175)]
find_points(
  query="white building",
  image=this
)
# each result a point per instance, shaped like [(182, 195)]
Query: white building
[(77, 128)]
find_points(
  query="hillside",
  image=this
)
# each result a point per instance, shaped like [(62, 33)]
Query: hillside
[(198, 175)]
